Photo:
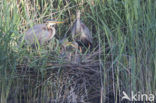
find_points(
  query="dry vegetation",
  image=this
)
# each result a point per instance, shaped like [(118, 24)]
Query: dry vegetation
[(123, 57)]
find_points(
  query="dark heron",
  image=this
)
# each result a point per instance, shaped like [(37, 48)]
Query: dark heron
[(80, 32)]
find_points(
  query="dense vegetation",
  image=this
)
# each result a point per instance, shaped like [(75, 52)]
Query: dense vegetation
[(124, 33)]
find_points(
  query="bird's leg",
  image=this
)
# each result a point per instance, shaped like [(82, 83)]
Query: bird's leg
[(89, 45), (70, 56), (80, 49), (75, 56)]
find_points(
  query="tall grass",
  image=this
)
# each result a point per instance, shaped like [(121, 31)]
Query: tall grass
[(124, 30)]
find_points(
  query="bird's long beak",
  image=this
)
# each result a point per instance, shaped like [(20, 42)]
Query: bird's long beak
[(57, 22), (70, 43)]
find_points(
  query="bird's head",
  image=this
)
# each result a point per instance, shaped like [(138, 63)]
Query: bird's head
[(51, 23)]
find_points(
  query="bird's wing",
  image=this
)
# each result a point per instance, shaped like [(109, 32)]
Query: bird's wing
[(36, 32), (85, 31), (45, 36)]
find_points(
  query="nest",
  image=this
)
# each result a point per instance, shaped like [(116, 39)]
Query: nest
[(69, 82), (80, 79)]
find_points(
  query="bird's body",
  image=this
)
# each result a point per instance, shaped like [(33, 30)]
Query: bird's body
[(40, 33), (70, 52), (80, 32)]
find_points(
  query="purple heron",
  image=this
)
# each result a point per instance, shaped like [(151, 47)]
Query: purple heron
[(80, 32), (41, 33)]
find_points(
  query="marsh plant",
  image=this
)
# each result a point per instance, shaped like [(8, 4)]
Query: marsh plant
[(123, 57)]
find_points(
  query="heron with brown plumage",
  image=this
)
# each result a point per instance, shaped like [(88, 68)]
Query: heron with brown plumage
[(80, 32), (41, 33)]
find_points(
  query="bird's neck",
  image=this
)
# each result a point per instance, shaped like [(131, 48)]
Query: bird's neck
[(48, 26), (78, 15), (53, 32), (78, 24)]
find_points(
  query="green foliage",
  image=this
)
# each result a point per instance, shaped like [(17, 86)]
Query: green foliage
[(126, 27)]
